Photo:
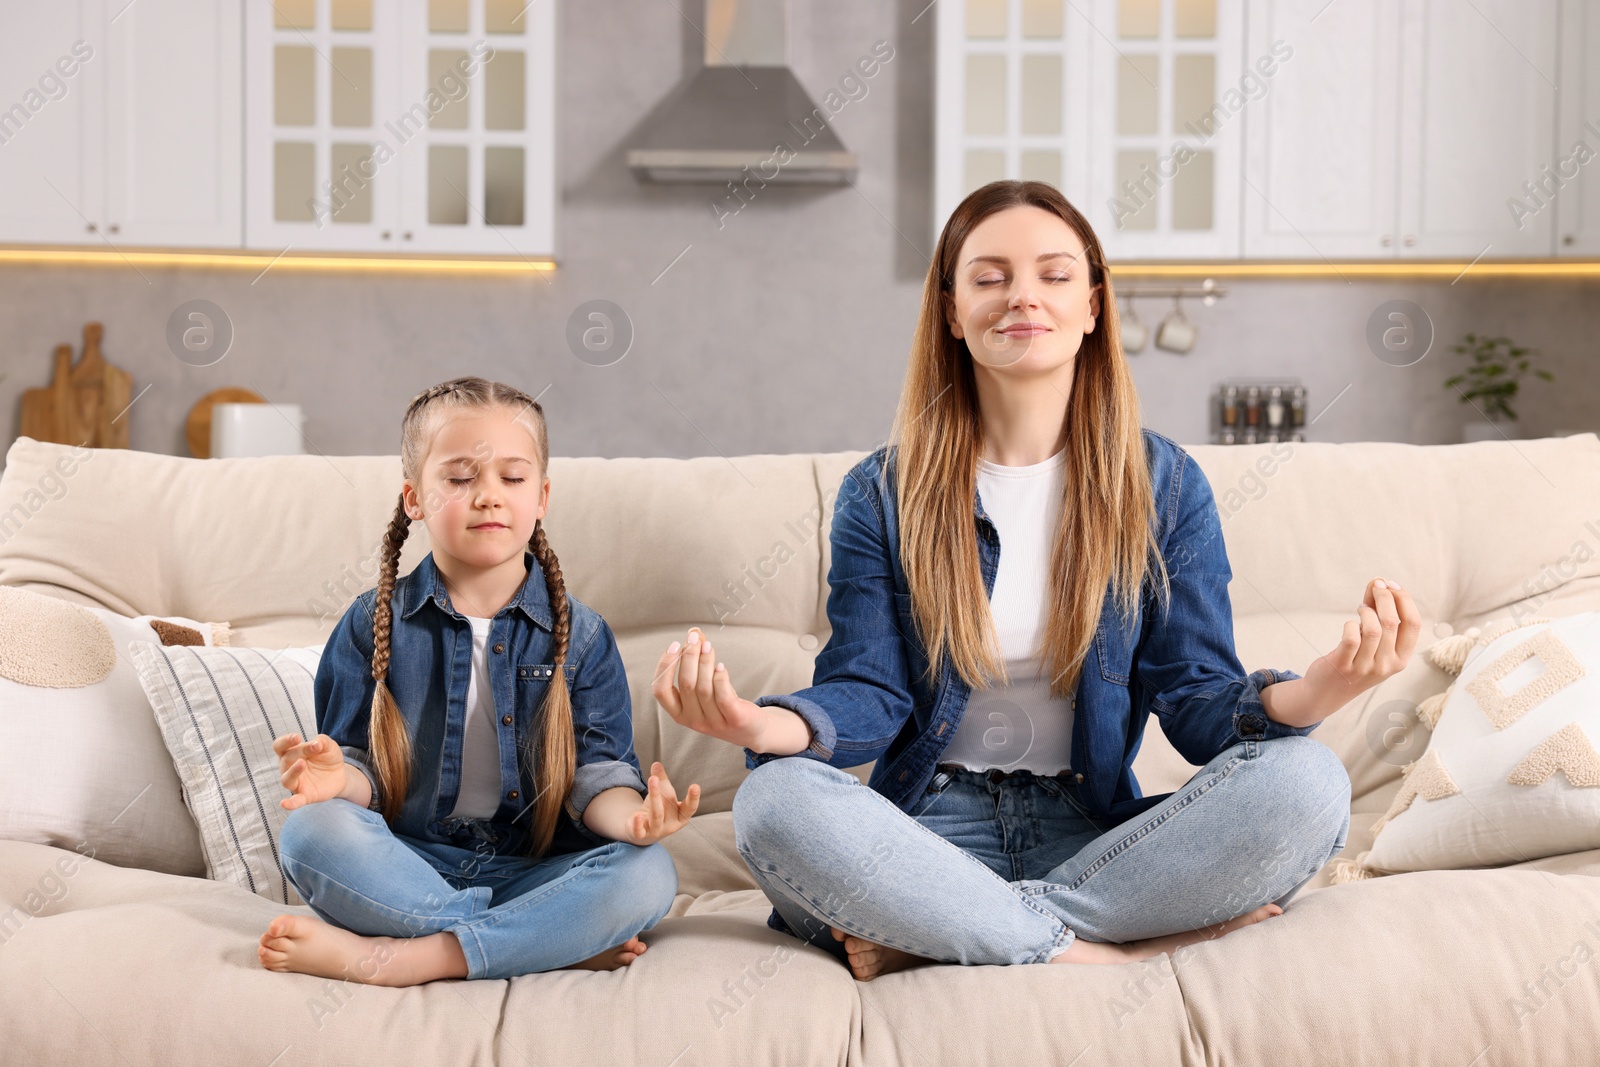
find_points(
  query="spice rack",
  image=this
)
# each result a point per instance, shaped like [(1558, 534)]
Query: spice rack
[(1248, 411)]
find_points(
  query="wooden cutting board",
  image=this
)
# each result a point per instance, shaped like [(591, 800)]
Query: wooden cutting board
[(83, 405)]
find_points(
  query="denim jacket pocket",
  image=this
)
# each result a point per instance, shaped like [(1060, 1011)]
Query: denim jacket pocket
[(541, 672), (1104, 655)]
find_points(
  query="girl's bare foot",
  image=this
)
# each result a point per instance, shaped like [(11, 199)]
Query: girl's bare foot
[(612, 958), (1081, 951), (307, 945), (868, 959)]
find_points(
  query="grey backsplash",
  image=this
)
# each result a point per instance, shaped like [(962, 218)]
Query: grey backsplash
[(783, 330)]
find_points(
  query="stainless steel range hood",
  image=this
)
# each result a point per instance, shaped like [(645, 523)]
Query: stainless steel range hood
[(743, 109)]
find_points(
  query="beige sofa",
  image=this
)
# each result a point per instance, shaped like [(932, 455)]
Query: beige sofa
[(137, 967)]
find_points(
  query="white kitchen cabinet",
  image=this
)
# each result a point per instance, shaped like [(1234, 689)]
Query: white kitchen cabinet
[(1571, 188), (120, 124), (173, 146), (1320, 147), (51, 177), (414, 126), (1477, 120), (1362, 129), (1402, 130)]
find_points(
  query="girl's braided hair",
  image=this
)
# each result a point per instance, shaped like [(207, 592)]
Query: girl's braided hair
[(551, 748)]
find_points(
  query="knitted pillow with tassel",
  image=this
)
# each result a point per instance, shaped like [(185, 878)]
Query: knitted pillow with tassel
[(1512, 770)]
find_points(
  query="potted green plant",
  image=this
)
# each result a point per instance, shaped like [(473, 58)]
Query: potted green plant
[(1490, 383)]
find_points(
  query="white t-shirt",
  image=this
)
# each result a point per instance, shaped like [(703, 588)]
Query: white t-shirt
[(1019, 726), (479, 797)]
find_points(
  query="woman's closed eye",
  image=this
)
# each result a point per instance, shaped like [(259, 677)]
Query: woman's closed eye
[(990, 279), (464, 481)]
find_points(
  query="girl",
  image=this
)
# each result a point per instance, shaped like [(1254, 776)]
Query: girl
[(1003, 694), (453, 821)]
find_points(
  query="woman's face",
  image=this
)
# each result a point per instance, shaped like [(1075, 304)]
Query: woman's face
[(481, 488), (1022, 298)]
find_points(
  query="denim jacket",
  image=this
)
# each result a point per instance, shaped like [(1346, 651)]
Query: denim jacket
[(867, 700), (430, 664)]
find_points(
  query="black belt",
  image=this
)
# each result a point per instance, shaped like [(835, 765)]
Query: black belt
[(995, 774)]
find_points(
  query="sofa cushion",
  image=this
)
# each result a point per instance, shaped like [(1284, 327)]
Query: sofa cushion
[(1511, 771), (219, 710), (83, 765)]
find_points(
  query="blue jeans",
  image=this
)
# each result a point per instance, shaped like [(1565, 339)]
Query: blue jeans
[(513, 915), (1008, 867)]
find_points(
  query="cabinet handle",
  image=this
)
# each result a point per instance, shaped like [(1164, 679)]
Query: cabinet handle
[(1387, 240), (90, 227), (386, 235), (1569, 240), (1410, 240), (114, 228), (407, 235)]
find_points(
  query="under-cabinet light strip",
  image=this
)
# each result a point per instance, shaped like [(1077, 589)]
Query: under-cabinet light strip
[(256, 261)]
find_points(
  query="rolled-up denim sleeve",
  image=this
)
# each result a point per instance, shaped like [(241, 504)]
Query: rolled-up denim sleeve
[(860, 694), (342, 691), (602, 726), (1188, 669)]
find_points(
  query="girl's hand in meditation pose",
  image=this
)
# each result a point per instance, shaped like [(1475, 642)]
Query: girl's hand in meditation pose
[(312, 770), (662, 813)]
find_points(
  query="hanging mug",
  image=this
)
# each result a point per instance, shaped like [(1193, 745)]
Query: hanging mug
[(1176, 333), (1134, 332)]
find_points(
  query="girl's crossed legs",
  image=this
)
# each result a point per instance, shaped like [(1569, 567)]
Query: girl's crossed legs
[(1015, 871), (400, 911)]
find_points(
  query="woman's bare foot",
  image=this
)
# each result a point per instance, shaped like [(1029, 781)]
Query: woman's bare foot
[(612, 958), (868, 959), (1081, 951), (307, 945)]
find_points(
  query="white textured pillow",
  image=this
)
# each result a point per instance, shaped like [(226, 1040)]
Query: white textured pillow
[(218, 710), (1512, 771), (82, 765)]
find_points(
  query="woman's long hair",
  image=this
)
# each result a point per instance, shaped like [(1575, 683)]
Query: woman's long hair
[(552, 748), (1107, 532)]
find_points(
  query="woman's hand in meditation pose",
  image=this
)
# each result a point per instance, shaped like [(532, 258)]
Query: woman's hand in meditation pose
[(1376, 645), (697, 693)]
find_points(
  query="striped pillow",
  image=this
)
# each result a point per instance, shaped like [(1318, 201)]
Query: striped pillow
[(218, 710)]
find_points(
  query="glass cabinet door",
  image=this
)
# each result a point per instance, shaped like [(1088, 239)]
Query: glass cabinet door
[(320, 90), (478, 166), (401, 126), (1168, 122), (1124, 105)]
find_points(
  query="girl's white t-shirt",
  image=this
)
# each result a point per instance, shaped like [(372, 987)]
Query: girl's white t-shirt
[(479, 797), (1019, 726)]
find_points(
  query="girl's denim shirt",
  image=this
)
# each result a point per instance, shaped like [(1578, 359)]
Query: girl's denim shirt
[(867, 700), (430, 664)]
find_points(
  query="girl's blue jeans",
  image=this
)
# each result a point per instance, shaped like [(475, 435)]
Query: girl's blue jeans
[(512, 914), (1000, 868)]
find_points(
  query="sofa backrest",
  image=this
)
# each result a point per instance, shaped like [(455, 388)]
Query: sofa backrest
[(278, 546)]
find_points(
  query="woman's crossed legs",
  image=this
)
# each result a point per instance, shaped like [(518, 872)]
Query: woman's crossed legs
[(1016, 872)]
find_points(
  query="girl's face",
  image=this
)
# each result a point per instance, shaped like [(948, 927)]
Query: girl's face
[(481, 488), (1022, 298)]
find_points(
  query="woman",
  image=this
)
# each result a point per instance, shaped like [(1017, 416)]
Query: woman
[(1004, 694)]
